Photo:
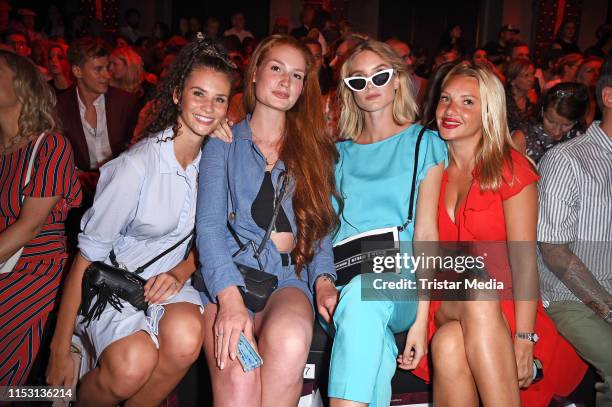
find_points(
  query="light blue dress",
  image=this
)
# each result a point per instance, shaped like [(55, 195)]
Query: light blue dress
[(375, 180), (145, 202)]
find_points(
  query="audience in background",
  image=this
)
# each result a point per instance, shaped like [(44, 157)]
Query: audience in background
[(520, 101), (101, 90), (238, 27), (561, 118), (59, 68)]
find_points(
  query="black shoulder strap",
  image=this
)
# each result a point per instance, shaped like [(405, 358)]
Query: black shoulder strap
[(277, 205), (142, 268), (414, 175)]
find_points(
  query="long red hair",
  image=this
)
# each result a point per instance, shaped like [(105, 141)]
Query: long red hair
[(308, 154)]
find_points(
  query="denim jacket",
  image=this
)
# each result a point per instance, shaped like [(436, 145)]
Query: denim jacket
[(231, 175)]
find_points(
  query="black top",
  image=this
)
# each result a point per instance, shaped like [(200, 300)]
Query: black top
[(263, 207)]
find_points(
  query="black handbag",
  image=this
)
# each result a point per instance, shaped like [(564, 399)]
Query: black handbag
[(258, 284), (111, 284), (355, 255)]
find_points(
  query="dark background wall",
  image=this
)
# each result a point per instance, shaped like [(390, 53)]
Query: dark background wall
[(423, 22)]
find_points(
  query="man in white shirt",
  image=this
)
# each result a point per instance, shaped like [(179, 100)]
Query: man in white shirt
[(238, 24), (97, 119)]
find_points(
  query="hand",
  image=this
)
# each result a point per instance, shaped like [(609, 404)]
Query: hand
[(416, 346), (327, 298), (161, 287), (223, 131), (60, 370), (232, 318), (523, 351)]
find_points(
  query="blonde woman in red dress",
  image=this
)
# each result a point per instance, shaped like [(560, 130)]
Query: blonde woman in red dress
[(483, 350)]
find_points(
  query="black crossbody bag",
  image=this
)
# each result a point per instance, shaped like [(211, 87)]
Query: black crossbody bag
[(355, 255), (111, 284), (258, 284)]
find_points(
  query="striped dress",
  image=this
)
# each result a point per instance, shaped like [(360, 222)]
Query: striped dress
[(29, 292)]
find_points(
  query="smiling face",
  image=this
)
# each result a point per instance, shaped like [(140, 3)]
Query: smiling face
[(279, 78), (372, 98), (459, 110), (203, 102)]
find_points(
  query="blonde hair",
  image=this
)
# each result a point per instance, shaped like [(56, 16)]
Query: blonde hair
[(132, 81), (493, 152), (37, 99), (404, 106)]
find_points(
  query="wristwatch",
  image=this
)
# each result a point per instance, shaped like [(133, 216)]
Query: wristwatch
[(529, 336), (328, 276), (608, 317)]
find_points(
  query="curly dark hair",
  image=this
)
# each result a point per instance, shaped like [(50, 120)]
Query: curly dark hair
[(163, 112)]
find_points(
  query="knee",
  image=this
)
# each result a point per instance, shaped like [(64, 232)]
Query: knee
[(129, 368), (181, 340), (483, 313), (448, 350), (292, 342), (233, 382)]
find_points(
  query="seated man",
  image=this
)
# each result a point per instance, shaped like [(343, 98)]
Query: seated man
[(575, 239), (97, 119)]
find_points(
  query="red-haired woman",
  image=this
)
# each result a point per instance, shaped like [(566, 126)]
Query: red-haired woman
[(282, 135)]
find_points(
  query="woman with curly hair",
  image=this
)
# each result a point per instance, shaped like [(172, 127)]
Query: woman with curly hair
[(145, 204), (282, 138), (32, 212)]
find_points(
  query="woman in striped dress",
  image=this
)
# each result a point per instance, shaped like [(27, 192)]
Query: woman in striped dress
[(31, 216)]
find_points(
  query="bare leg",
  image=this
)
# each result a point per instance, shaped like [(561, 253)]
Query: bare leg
[(124, 367), (180, 341), (488, 348), (334, 402), (284, 329), (231, 386), (452, 374)]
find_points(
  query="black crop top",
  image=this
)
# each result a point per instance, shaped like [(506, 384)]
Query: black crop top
[(263, 207)]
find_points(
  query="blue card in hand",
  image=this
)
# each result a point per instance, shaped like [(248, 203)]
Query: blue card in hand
[(248, 357)]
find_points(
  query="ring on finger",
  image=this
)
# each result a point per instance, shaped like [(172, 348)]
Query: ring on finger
[(220, 333)]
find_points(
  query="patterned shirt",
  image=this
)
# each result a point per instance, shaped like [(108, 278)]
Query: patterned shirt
[(538, 142), (575, 207)]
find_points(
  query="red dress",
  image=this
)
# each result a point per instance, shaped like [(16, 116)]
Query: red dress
[(28, 293), (481, 218)]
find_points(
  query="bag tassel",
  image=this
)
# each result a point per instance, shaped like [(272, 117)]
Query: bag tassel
[(104, 295)]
